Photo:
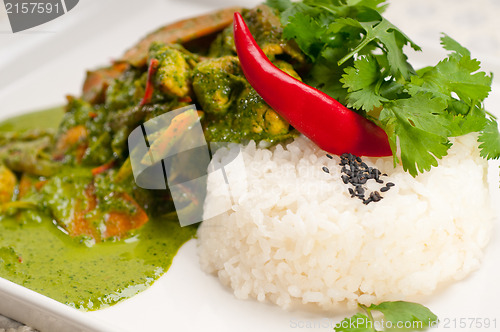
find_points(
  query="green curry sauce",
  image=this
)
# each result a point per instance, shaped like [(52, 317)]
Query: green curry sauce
[(38, 255)]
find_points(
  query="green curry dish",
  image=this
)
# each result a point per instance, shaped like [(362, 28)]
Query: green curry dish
[(74, 224), (79, 174), (234, 110)]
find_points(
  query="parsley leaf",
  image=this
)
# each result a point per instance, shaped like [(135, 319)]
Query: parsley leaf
[(398, 315), (473, 120), (421, 126), (451, 44), (325, 77), (357, 323), (311, 32), (356, 56), (363, 82), (280, 5), (400, 311), (455, 74), (392, 40), (490, 141)]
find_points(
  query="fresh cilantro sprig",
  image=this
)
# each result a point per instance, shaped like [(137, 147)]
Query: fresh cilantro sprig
[(357, 57), (398, 315)]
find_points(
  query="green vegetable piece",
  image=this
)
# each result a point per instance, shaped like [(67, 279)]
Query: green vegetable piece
[(363, 82), (455, 74), (357, 323), (451, 44), (404, 312), (357, 58), (309, 33), (280, 5), (398, 316), (30, 157), (325, 76), (421, 125), (392, 39), (490, 141)]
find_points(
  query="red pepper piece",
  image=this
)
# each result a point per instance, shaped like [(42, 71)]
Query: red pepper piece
[(103, 168), (328, 123), (148, 92)]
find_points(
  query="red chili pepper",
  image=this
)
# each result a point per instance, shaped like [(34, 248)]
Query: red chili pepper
[(148, 91), (103, 168), (328, 123)]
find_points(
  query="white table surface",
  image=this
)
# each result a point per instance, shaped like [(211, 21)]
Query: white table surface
[(38, 67)]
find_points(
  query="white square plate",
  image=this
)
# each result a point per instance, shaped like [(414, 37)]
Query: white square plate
[(40, 66)]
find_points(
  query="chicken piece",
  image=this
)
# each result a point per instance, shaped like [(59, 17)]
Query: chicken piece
[(8, 182), (253, 113), (217, 83), (173, 75)]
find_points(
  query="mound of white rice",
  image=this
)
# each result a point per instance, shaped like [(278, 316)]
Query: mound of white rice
[(295, 234)]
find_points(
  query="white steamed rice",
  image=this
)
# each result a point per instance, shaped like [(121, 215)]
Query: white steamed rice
[(294, 234)]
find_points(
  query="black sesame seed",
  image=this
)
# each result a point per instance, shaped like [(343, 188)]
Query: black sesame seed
[(325, 169), (390, 184), (376, 196), (329, 156), (357, 173)]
